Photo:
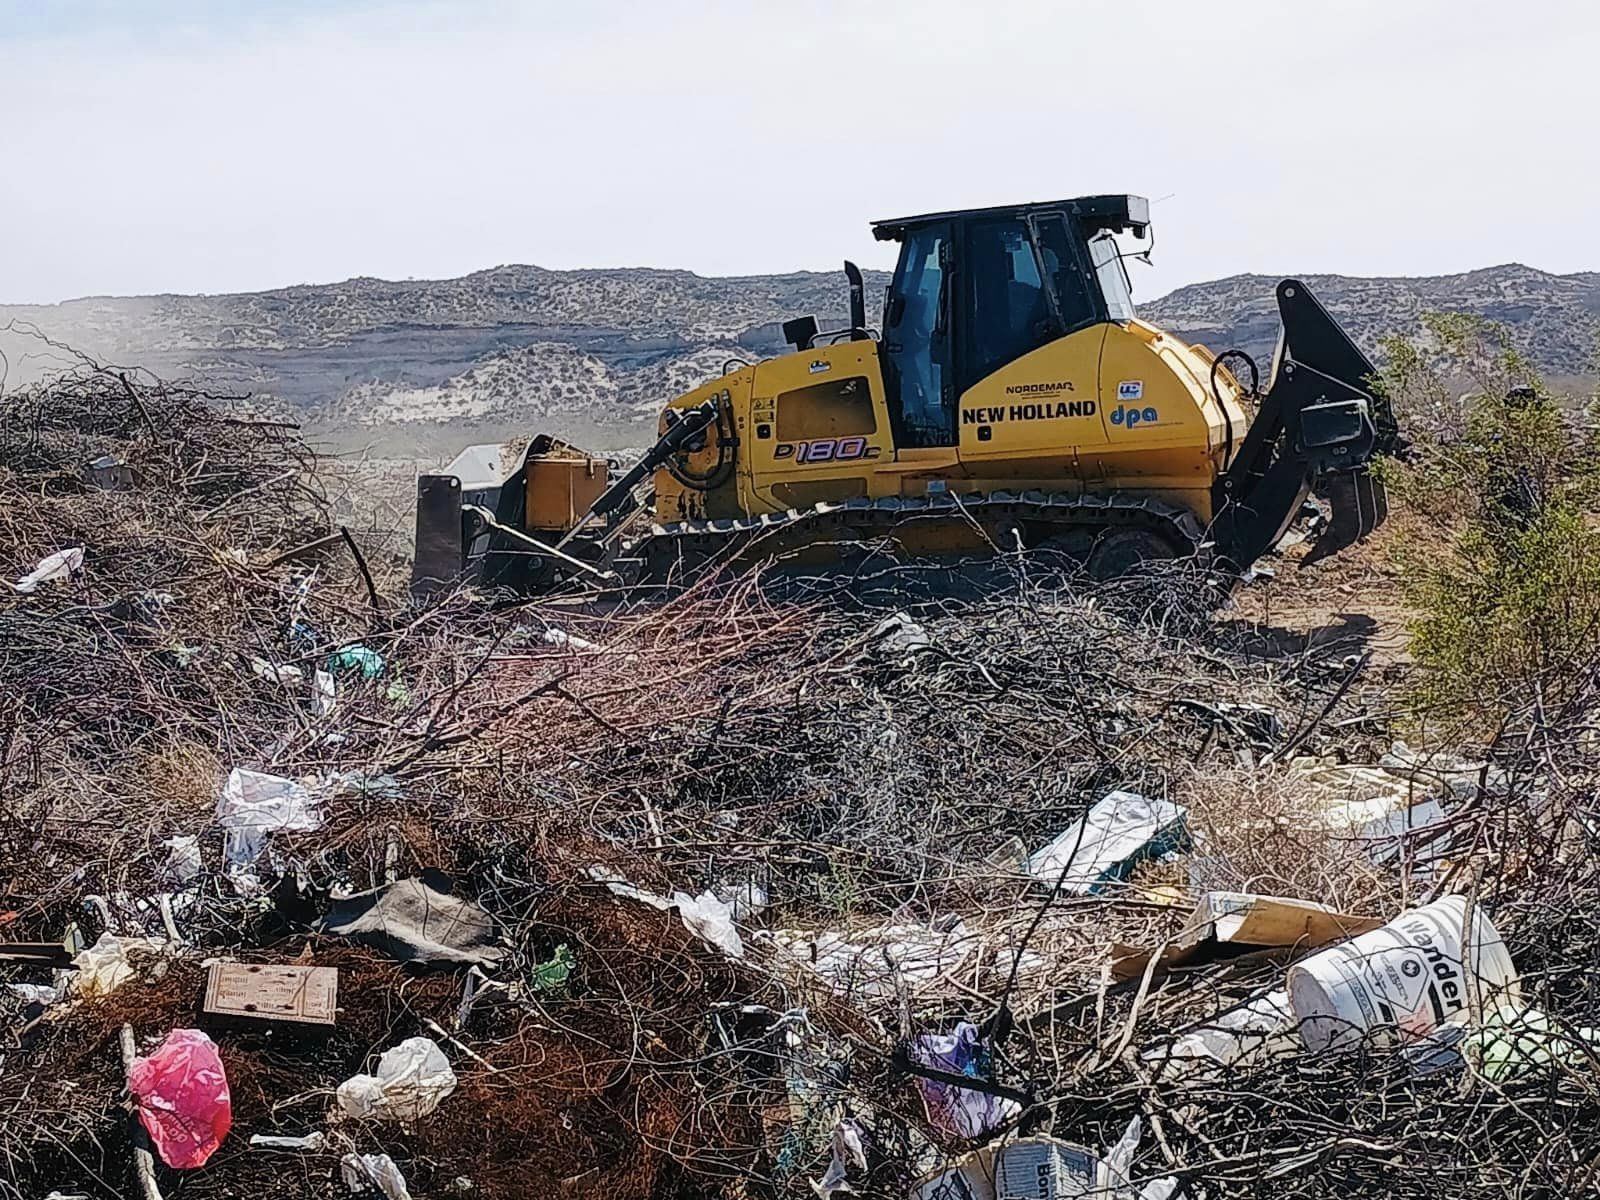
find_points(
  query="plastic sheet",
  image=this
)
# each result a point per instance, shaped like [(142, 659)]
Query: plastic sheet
[(309, 1143), (412, 922), (883, 959), (184, 864), (707, 915), (182, 1094)]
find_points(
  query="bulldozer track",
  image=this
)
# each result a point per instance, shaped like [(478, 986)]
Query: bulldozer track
[(1043, 511)]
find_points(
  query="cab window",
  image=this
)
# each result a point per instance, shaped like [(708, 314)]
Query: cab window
[(1113, 277), (1008, 313), (916, 342), (1075, 301)]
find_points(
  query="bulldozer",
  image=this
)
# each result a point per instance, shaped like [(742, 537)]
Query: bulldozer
[(1010, 400)]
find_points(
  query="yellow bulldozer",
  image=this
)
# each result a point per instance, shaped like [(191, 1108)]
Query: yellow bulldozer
[(1010, 400)]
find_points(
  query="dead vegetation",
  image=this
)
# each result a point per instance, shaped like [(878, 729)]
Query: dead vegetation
[(828, 774)]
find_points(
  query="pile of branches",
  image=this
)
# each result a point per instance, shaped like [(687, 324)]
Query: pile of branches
[(123, 683), (827, 766)]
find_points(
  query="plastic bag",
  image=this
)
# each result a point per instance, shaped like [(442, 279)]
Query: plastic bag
[(184, 864), (104, 966), (286, 674), (324, 693), (63, 564), (412, 1079), (363, 1172), (567, 641), (961, 1112), (183, 1098), (357, 658), (252, 805), (847, 1150)]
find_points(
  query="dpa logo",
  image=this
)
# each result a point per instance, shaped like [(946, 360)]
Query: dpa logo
[(1131, 416)]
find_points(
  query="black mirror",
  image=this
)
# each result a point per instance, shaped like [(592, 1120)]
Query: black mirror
[(799, 332)]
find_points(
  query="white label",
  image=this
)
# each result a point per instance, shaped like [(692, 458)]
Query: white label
[(1130, 389)]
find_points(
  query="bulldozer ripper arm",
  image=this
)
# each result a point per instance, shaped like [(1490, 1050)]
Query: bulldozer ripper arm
[(1318, 428)]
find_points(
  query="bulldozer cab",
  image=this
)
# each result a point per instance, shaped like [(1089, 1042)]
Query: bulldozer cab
[(977, 289)]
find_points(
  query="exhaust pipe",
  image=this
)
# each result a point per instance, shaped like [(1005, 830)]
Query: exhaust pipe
[(858, 302)]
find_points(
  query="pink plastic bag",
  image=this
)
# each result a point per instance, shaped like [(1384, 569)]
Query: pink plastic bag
[(183, 1098)]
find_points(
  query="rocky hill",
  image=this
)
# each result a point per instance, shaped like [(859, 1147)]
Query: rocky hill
[(1553, 318), (602, 349)]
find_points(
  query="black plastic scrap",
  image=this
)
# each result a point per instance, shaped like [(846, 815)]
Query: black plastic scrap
[(411, 921)]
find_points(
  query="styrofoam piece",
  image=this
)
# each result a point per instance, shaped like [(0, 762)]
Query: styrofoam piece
[(1111, 838)]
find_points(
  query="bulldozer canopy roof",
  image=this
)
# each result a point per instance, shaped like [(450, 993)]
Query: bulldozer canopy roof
[(1099, 212)]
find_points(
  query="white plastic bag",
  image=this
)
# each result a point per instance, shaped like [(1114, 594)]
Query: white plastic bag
[(363, 1172), (412, 1079), (707, 915), (1260, 1028), (846, 1151), (273, 673), (324, 693), (253, 805), (184, 864), (899, 634), (63, 564), (568, 641)]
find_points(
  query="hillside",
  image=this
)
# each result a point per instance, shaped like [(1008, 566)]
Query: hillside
[(1553, 318), (602, 349)]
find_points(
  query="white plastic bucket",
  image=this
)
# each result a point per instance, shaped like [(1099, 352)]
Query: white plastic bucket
[(1402, 981)]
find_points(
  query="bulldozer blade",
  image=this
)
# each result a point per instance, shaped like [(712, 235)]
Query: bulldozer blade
[(1360, 504), (440, 557)]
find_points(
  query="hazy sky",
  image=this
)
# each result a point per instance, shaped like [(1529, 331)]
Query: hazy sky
[(185, 146)]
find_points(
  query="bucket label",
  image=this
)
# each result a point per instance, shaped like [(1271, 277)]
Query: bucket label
[(1431, 971)]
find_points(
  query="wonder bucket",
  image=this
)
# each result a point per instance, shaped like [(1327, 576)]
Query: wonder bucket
[(1402, 981)]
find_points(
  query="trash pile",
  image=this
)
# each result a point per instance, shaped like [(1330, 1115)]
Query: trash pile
[(306, 890)]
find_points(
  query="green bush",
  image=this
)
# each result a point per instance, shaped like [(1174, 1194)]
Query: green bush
[(1508, 611)]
